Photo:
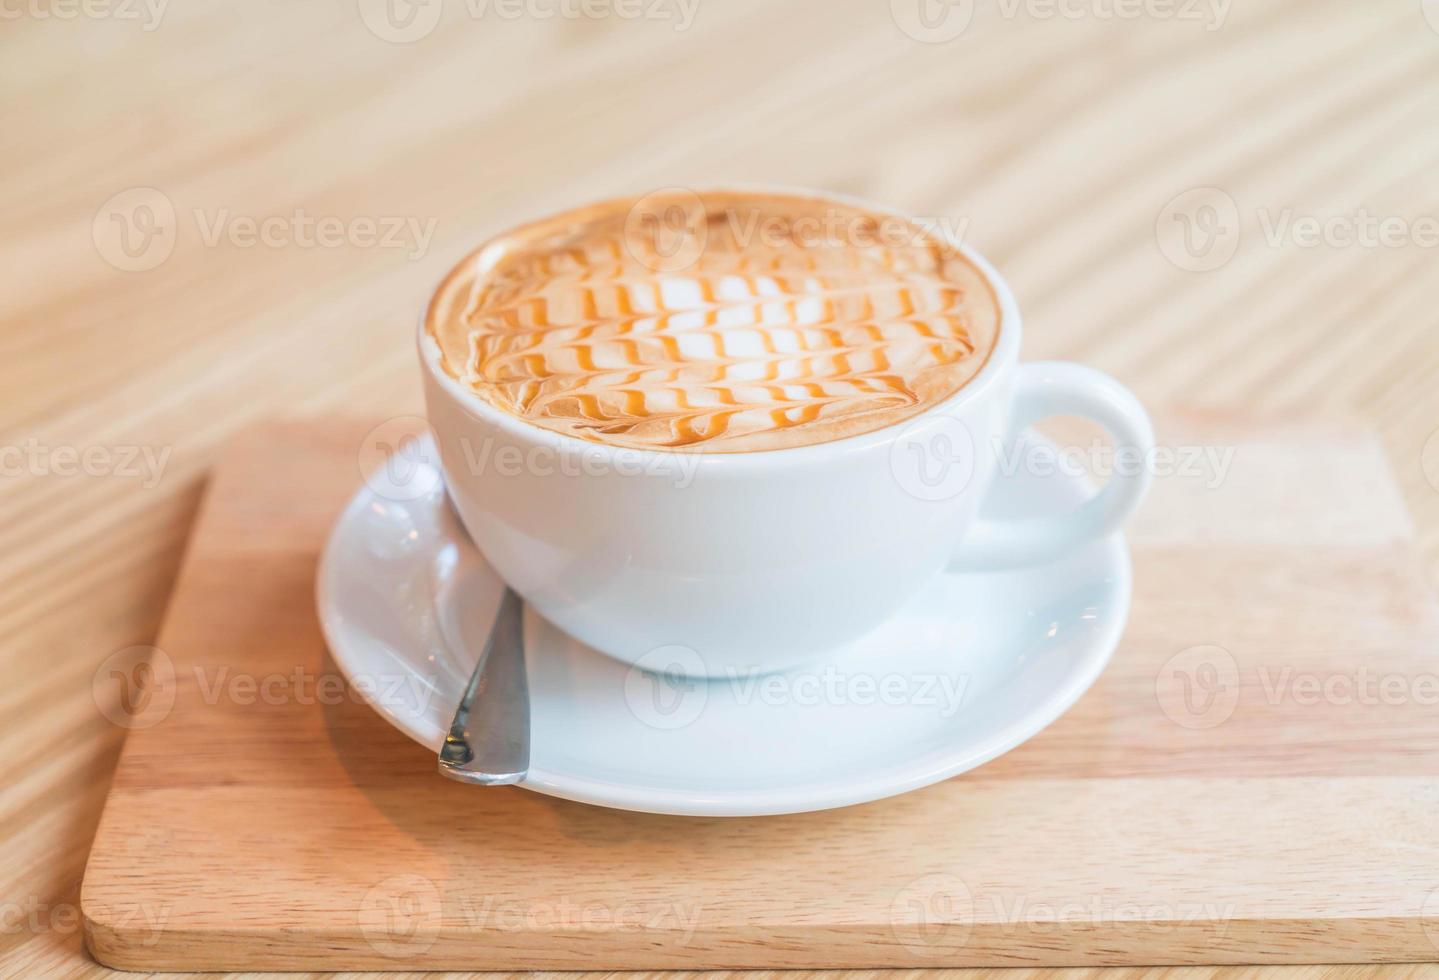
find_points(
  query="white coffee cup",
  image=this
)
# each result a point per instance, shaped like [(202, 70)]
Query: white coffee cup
[(725, 563)]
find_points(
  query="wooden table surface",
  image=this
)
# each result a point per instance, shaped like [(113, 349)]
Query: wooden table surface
[(218, 211)]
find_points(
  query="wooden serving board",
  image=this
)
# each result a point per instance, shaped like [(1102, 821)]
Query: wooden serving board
[(1254, 779)]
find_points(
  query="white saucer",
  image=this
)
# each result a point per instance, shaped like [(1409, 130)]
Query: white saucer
[(406, 601)]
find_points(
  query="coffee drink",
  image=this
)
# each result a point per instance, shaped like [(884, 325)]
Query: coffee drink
[(784, 362), (724, 322)]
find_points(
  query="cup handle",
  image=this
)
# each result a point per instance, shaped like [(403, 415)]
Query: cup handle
[(1044, 389)]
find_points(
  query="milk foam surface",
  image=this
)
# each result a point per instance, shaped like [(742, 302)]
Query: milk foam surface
[(722, 321)]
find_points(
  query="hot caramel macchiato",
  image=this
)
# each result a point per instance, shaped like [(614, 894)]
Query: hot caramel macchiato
[(725, 321)]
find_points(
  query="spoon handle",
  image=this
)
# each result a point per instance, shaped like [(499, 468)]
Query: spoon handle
[(489, 740)]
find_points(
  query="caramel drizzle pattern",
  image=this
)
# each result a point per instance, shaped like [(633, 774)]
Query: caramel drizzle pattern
[(588, 338)]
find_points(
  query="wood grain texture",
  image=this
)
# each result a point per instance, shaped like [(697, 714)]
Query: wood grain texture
[(1058, 141), (1282, 810)]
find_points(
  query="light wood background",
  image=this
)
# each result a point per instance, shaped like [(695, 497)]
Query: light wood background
[(1057, 141)]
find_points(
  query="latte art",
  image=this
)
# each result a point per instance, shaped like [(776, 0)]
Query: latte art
[(726, 323)]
